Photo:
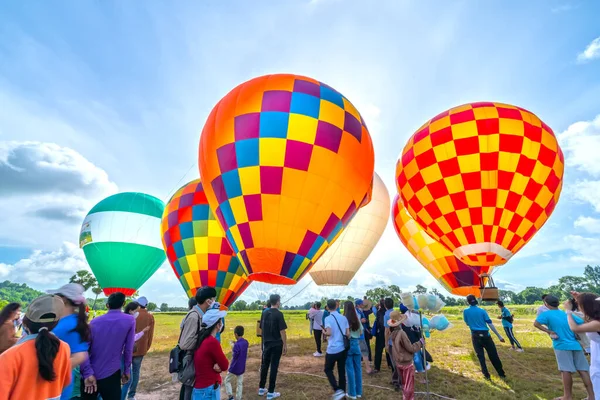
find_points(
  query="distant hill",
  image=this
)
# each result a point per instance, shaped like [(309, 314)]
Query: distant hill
[(17, 292)]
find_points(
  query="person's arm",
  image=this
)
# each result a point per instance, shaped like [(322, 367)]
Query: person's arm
[(542, 327), (189, 335), (489, 322), (220, 358), (128, 350), (465, 317), (138, 336), (387, 336), (407, 344), (78, 358), (578, 326)]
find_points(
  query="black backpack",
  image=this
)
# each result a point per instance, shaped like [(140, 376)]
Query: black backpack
[(177, 354)]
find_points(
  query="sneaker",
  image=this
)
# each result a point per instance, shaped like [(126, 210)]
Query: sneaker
[(511, 349), (359, 396), (351, 397), (317, 354), (520, 351), (262, 392), (338, 395), (273, 395)]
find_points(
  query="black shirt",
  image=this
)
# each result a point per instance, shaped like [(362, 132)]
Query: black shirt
[(272, 323)]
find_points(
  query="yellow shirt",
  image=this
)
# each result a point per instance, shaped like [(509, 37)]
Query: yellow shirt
[(19, 376)]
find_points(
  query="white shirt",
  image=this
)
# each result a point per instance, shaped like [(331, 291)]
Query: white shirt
[(335, 344), (316, 317), (542, 309)]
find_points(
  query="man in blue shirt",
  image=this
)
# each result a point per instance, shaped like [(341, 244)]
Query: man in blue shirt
[(568, 351), (478, 321)]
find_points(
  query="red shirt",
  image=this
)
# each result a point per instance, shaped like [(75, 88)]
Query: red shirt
[(207, 355)]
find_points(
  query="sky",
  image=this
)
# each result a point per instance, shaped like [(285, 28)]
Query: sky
[(102, 97)]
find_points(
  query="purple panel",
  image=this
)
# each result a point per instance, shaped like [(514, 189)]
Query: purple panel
[(172, 219), (328, 136), (307, 87), (246, 234), (219, 188), (253, 207), (213, 261), (287, 263), (277, 100), (353, 126), (246, 126), (246, 261), (307, 242), (297, 155), (331, 223), (203, 277), (226, 157), (270, 180), (167, 239), (186, 200), (220, 217), (349, 213)]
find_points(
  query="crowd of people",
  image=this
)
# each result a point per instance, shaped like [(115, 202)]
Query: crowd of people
[(60, 355)]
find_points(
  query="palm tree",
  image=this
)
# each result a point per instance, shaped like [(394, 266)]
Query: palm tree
[(97, 290)]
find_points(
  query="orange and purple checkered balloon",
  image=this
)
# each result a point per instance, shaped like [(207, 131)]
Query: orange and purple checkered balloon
[(196, 246), (287, 162), (481, 179), (454, 275)]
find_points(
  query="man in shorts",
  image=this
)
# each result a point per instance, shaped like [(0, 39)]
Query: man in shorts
[(569, 354)]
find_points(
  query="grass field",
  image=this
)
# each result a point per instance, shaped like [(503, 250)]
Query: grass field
[(455, 372)]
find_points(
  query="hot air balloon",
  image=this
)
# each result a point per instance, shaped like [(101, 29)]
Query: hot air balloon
[(121, 242), (196, 246), (454, 275), (286, 162), (481, 179), (341, 261)]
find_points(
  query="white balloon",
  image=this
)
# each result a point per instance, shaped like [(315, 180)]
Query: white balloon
[(342, 260)]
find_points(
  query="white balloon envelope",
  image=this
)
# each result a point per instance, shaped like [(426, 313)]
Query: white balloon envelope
[(342, 260)]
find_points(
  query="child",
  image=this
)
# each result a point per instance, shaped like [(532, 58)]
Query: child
[(402, 354), (238, 364)]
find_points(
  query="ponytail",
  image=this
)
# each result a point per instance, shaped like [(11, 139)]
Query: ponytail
[(46, 347), (82, 327)]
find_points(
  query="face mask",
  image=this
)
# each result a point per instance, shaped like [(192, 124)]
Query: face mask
[(135, 314)]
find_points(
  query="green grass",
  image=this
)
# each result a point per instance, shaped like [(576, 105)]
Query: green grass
[(455, 372)]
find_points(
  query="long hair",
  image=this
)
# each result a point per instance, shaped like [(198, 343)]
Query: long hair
[(350, 314), (46, 347), (131, 306), (8, 311), (82, 328), (589, 305), (205, 331)]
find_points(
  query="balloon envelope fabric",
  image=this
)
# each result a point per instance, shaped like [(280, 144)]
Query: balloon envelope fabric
[(343, 259), (121, 242), (454, 275), (481, 179), (287, 161), (196, 246)]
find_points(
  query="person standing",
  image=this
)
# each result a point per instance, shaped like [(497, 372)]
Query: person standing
[(379, 331), (274, 346), (478, 320), (316, 316), (191, 325), (403, 351), (238, 364), (569, 354), (389, 307), (113, 335), (507, 324), (336, 327), (355, 353), (38, 366), (144, 322), (209, 359), (363, 315), (73, 328)]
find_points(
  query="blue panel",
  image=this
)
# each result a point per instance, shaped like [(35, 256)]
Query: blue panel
[(273, 124), (178, 247), (315, 247), (298, 260), (305, 104), (331, 96), (186, 230), (231, 181), (246, 152), (335, 231), (201, 212), (231, 241), (178, 268), (227, 214)]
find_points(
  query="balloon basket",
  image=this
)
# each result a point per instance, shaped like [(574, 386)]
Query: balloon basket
[(489, 291)]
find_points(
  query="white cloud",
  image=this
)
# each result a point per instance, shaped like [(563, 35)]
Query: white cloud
[(47, 269), (587, 191), (591, 225), (587, 249), (581, 143), (591, 52)]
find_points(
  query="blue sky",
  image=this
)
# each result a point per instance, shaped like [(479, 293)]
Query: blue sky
[(100, 97)]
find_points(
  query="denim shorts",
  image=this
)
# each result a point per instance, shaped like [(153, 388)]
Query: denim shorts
[(571, 360)]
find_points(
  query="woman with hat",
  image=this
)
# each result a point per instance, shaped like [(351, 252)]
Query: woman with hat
[(209, 359), (402, 353), (73, 328), (38, 366)]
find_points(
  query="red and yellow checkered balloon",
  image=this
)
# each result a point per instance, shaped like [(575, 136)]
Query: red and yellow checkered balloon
[(481, 179), (287, 162), (196, 246), (454, 275)]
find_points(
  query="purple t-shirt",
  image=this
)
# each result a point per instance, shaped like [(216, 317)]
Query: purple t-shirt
[(240, 353)]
